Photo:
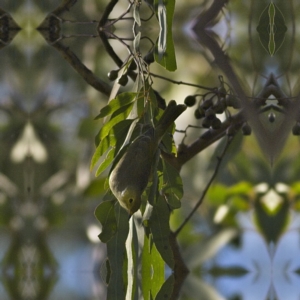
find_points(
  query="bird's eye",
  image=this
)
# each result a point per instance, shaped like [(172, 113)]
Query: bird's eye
[(130, 200)]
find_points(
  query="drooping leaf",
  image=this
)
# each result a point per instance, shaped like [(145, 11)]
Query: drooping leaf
[(136, 13), (116, 252), (164, 50), (265, 221), (242, 188), (95, 188), (271, 28), (118, 116), (166, 290), (153, 270), (100, 150), (106, 162), (87, 128), (132, 248), (105, 214), (120, 132), (172, 188), (136, 42), (115, 139), (217, 194), (121, 100), (160, 229)]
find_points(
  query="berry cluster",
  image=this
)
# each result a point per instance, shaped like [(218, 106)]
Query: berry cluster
[(211, 104), (122, 79)]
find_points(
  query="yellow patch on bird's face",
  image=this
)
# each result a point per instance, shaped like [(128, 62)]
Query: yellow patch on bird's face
[(130, 200)]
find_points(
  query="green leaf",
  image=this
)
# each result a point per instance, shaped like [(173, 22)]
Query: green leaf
[(118, 116), (106, 162), (265, 220), (120, 132), (153, 269), (239, 203), (271, 28), (136, 233), (105, 214), (172, 185), (116, 252), (242, 188), (87, 128), (116, 137), (167, 289), (217, 194), (95, 188), (100, 150), (121, 100), (164, 50), (160, 229)]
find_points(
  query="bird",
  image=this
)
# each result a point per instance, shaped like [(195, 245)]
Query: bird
[(130, 176)]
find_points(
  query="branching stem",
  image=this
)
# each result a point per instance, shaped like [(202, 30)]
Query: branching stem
[(200, 201)]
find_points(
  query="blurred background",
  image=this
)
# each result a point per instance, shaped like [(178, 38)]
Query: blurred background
[(244, 241)]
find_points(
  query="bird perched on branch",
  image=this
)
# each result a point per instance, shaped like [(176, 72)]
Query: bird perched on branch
[(130, 176)]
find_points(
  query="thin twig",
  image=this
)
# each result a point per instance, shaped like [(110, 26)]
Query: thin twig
[(109, 8), (182, 82), (102, 25), (220, 158)]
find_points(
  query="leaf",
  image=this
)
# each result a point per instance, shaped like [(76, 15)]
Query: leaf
[(217, 194), (105, 214), (121, 100), (118, 116), (271, 28), (136, 42), (160, 229), (106, 162), (242, 188), (265, 221), (166, 290), (172, 188), (120, 132), (95, 188), (153, 270), (164, 50), (136, 14), (116, 252), (100, 150), (116, 139), (87, 128)]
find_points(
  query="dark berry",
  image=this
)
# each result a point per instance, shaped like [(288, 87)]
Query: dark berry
[(206, 123), (220, 107), (113, 75), (246, 129), (123, 80), (206, 104), (149, 58), (190, 100), (222, 91), (233, 101), (210, 114), (199, 113), (133, 65), (216, 123)]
